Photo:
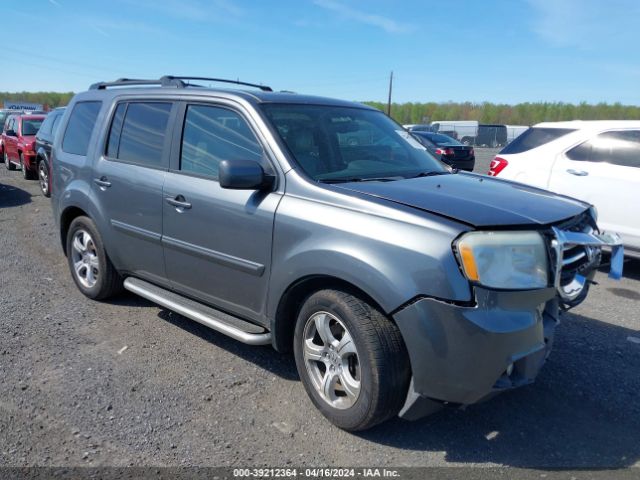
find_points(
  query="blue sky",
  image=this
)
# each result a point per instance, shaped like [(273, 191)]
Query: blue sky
[(493, 50)]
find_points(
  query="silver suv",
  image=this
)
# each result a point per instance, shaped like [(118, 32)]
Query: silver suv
[(323, 227)]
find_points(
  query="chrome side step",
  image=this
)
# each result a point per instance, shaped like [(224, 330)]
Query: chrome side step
[(231, 326)]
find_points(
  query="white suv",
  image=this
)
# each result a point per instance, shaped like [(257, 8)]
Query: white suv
[(595, 161)]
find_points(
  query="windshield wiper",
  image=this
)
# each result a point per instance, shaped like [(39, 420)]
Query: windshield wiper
[(359, 179), (432, 173)]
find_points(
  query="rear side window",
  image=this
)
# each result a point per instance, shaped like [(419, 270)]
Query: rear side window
[(138, 133), (618, 147), (212, 134), (56, 124), (80, 127), (535, 137)]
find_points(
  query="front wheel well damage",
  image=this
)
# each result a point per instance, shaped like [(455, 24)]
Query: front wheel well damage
[(284, 321)]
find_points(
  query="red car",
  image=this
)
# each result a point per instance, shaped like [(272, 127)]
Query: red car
[(19, 140)]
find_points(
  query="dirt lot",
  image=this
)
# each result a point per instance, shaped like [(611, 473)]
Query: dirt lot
[(129, 383)]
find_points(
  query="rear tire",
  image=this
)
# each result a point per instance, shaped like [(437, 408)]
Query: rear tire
[(43, 177), (91, 270), (352, 360)]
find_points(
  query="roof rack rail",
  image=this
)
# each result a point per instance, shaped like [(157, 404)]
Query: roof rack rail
[(123, 82), (179, 82), (171, 81)]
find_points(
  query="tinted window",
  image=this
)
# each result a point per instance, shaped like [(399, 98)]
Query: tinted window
[(114, 132), (619, 148), (143, 133), (31, 126), (56, 124), (334, 144), (46, 126), (79, 127), (535, 137), (213, 134)]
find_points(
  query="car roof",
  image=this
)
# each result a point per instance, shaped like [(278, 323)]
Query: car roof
[(590, 124), (30, 115), (252, 96)]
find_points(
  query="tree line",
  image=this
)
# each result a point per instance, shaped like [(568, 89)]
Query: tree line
[(411, 112), (519, 114)]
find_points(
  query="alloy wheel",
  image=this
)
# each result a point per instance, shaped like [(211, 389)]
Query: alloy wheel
[(44, 177), (331, 360), (86, 266)]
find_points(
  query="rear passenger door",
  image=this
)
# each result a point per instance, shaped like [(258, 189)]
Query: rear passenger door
[(605, 171), (127, 184), (218, 246)]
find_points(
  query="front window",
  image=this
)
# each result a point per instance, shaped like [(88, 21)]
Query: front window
[(334, 144), (31, 126)]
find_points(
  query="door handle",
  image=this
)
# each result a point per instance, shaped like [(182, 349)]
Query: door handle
[(178, 202), (578, 173), (102, 182)]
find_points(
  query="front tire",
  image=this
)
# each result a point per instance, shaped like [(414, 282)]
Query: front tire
[(26, 173), (7, 162), (351, 359), (91, 270)]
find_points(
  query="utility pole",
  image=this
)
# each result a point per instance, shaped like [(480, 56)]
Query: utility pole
[(390, 89)]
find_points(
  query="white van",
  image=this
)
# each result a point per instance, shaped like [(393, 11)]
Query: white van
[(514, 130)]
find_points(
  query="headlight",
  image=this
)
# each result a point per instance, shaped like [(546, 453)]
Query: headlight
[(505, 260)]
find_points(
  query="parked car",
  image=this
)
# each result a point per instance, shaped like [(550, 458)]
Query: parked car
[(596, 161), (4, 115), (418, 127), (19, 140), (463, 130), (448, 150), (400, 286), (44, 141)]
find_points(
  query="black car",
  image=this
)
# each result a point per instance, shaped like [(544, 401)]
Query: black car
[(44, 140), (448, 150)]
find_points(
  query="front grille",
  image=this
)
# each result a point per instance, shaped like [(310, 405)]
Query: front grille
[(578, 260)]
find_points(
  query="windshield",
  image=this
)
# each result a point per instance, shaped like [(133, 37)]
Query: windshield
[(31, 126), (333, 144)]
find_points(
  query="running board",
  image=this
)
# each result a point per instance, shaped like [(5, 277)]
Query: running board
[(231, 326)]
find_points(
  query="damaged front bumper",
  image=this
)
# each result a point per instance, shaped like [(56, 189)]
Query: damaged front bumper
[(460, 355), (463, 354)]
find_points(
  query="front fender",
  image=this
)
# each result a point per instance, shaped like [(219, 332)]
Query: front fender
[(391, 260)]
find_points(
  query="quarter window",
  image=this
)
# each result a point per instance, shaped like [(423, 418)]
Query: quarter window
[(80, 127), (212, 134)]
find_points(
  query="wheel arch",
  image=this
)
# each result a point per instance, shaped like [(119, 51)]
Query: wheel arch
[(69, 214), (284, 320)]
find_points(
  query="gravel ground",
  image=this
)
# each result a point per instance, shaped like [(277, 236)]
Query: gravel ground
[(128, 383)]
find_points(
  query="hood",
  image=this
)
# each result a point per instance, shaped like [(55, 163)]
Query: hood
[(476, 200)]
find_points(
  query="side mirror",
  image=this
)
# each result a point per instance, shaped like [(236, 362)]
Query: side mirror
[(11, 133), (243, 175)]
